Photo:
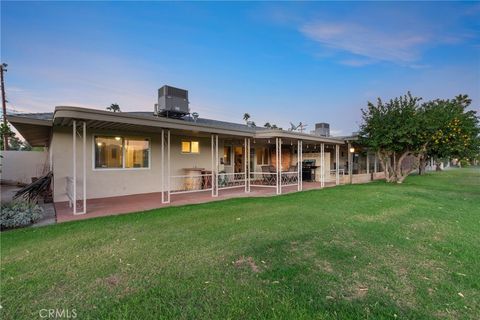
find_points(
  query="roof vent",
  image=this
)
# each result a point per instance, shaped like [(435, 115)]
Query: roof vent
[(172, 102)]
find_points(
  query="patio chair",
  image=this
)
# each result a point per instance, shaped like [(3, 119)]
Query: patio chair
[(293, 168), (268, 178)]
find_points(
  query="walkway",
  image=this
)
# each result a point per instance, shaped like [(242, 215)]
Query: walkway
[(141, 202)]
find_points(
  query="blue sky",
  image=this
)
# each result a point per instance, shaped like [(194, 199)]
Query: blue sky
[(281, 62)]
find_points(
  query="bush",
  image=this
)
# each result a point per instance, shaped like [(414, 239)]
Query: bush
[(464, 163), (19, 214)]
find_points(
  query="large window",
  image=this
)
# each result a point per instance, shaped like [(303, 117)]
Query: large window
[(190, 147), (121, 152), (262, 156), (136, 153), (108, 152)]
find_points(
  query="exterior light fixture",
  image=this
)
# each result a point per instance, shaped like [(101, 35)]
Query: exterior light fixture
[(352, 150), (118, 138), (99, 144)]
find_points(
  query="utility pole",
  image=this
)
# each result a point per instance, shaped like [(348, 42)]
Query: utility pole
[(3, 68)]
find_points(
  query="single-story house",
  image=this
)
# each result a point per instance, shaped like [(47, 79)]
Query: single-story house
[(98, 155)]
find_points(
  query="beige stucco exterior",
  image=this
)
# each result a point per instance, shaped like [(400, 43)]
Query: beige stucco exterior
[(118, 182)]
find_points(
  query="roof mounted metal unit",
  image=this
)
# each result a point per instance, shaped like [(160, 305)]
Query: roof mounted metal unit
[(322, 129), (172, 102)]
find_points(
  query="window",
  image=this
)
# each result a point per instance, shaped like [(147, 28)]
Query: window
[(262, 156), (227, 155), (121, 153), (108, 152), (136, 153), (185, 146), (190, 147)]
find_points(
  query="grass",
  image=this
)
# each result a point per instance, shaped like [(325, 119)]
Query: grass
[(376, 251)]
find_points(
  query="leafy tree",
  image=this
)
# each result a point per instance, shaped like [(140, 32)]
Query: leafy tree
[(246, 116), (5, 131), (449, 130), (392, 129), (436, 129), (271, 126), (14, 143), (114, 107)]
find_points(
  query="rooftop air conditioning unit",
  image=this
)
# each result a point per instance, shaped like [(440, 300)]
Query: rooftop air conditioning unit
[(322, 129), (172, 102)]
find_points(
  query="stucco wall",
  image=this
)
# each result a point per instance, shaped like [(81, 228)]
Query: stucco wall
[(117, 182), (21, 166)]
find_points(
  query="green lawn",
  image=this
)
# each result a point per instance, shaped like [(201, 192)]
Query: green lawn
[(378, 251)]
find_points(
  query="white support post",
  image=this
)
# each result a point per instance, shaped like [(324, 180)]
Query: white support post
[(162, 166), (74, 146), (375, 164), (212, 138), (337, 166), (215, 172), (84, 167), (299, 188), (322, 169), (245, 160), (248, 166), (350, 163), (280, 165), (301, 165), (168, 166), (276, 165)]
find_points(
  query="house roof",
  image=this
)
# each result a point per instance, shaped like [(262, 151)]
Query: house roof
[(142, 121)]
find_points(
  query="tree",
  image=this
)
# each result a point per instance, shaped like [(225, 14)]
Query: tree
[(5, 133), (246, 116), (267, 125), (114, 107), (449, 130), (14, 143), (393, 131)]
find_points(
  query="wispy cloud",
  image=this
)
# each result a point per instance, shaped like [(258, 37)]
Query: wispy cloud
[(369, 43)]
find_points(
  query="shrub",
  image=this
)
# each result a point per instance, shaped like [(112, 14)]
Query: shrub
[(19, 214), (464, 163)]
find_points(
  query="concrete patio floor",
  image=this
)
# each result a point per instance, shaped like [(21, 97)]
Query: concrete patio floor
[(141, 202)]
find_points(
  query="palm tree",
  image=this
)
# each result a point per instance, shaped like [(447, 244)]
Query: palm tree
[(246, 116), (114, 107)]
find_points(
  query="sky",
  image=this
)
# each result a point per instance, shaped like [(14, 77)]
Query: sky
[(279, 61)]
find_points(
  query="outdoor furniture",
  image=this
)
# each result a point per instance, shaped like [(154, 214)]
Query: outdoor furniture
[(206, 179), (267, 176), (192, 181)]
